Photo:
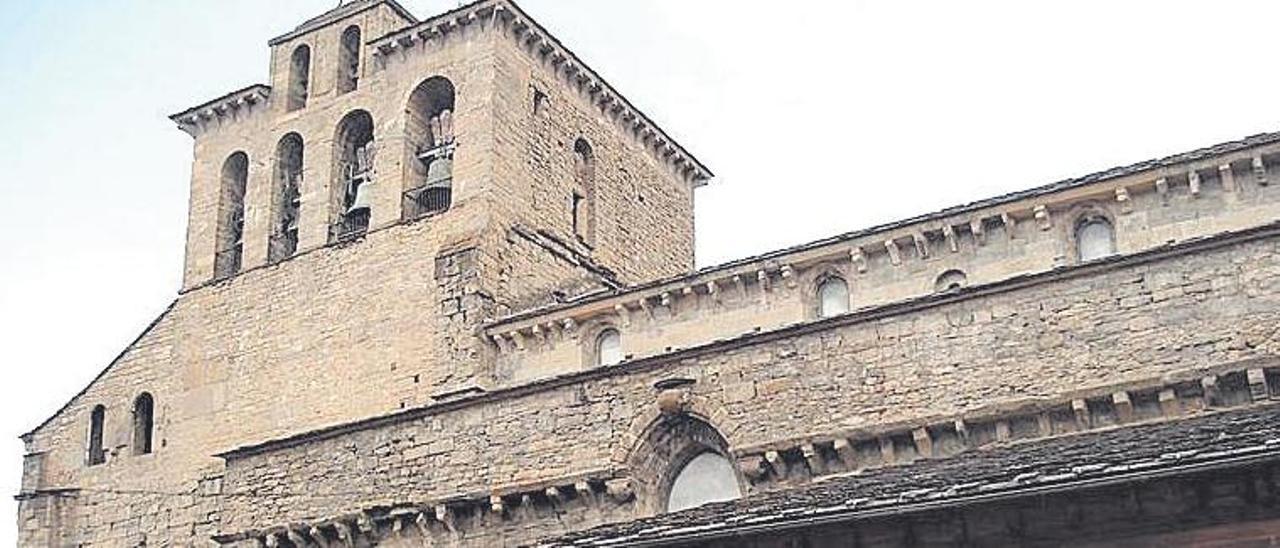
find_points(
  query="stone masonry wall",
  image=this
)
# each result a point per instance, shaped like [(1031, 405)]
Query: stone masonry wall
[(1100, 325)]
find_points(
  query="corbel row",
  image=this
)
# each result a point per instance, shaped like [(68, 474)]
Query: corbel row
[(669, 303), (593, 89), (899, 444), (434, 29), (196, 120), (446, 519)]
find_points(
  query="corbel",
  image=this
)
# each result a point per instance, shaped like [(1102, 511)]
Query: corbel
[(789, 276), (962, 430), (1169, 406), (740, 285), (1209, 387), (979, 232), (445, 516), (517, 338), (620, 489), (665, 300), (1010, 225), (296, 538), (713, 291), (776, 463), (753, 467), (1259, 390), (859, 259), (645, 309), (624, 314), (1080, 408), (1044, 424), (273, 541), (811, 456), (1260, 171), (1043, 220), (688, 298), (406, 41), (1122, 198), (924, 442), (496, 505), (1003, 431), (554, 494), (848, 455), (766, 285), (527, 506), (344, 533), (397, 529), (895, 254), (317, 536), (1162, 190), (1228, 178), (570, 326), (922, 245), (366, 526), (539, 336), (421, 523), (1123, 405), (585, 493), (949, 234), (1193, 179)]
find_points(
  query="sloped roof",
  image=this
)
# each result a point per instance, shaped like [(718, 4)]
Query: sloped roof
[(343, 11), (1121, 454)]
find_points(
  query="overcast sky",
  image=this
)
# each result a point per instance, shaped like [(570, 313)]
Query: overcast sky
[(817, 116)]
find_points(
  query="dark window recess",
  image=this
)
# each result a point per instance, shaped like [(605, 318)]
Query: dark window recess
[(349, 60), (143, 423), (97, 453), (230, 228), (299, 78), (431, 144), (288, 198)]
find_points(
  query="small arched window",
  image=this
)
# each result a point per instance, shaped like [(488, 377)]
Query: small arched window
[(299, 78), (951, 280), (230, 236), (1095, 238), (833, 297), (143, 423), (287, 198), (97, 451), (583, 201), (349, 60), (707, 478), (608, 349)]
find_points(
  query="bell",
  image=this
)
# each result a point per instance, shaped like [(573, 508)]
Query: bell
[(363, 199), (440, 172)]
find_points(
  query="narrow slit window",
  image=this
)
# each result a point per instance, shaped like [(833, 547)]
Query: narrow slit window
[(299, 78), (349, 60), (143, 424), (97, 451), (584, 194)]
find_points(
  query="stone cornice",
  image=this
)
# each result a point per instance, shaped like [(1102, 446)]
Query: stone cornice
[(547, 50), (870, 314), (1038, 207), (195, 119)]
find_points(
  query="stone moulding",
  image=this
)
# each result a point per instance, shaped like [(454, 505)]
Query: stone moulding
[(443, 516), (949, 226), (196, 119)]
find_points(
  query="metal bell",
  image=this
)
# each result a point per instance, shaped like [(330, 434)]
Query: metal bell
[(363, 198), (440, 172)]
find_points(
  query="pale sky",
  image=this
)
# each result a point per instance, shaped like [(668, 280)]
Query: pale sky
[(818, 117)]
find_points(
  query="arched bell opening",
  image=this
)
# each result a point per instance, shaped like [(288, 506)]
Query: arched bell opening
[(353, 189), (429, 145)]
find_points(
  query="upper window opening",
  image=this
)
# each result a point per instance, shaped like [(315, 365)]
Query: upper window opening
[(833, 297), (97, 420), (707, 478), (539, 102), (609, 348), (583, 212), (299, 78), (287, 198), (951, 280), (143, 423), (430, 146), (1095, 238), (230, 227), (353, 191), (349, 60)]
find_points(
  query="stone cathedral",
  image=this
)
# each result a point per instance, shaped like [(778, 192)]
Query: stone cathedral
[(440, 291)]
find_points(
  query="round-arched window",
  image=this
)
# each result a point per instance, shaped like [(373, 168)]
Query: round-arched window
[(708, 477), (833, 297), (609, 348), (1095, 238)]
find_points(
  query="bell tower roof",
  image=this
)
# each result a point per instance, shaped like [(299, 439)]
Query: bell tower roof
[(347, 8)]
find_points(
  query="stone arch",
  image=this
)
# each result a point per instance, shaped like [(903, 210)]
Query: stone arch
[(286, 196), (1090, 221), (353, 175), (229, 247), (430, 137), (662, 450)]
